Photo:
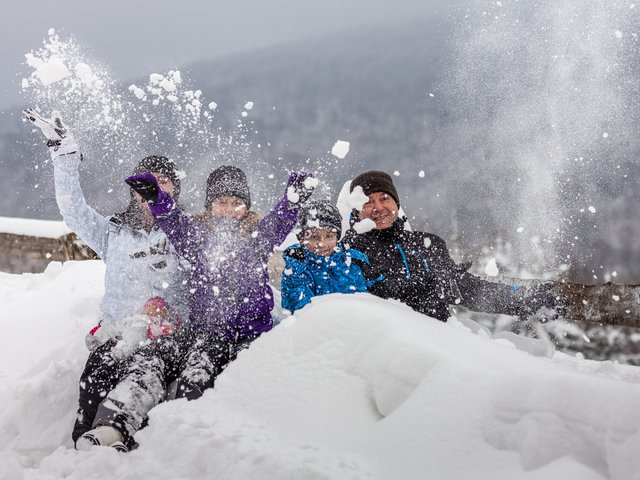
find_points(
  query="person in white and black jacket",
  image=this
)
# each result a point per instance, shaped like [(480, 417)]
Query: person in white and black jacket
[(140, 261)]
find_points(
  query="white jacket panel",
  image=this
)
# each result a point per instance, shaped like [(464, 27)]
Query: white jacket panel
[(139, 264)]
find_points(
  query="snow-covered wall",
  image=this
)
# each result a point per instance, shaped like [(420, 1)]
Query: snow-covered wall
[(33, 228)]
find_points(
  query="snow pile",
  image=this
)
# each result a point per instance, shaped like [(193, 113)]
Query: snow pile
[(34, 228), (351, 387)]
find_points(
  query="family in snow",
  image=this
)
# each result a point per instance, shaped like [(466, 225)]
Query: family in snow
[(184, 293)]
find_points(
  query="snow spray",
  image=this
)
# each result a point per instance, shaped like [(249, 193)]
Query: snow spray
[(118, 125), (545, 98)]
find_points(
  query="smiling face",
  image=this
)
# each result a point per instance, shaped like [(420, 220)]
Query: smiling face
[(381, 208), (227, 207), (320, 240)]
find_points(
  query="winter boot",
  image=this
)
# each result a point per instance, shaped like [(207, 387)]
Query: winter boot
[(105, 436)]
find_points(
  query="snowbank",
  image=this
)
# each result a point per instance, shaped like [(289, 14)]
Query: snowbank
[(33, 228), (351, 387)]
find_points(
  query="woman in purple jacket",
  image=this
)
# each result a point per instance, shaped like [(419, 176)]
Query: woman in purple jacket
[(230, 298)]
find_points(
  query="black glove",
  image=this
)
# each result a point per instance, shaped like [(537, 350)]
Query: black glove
[(144, 184)]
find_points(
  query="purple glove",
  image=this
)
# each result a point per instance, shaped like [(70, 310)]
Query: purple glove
[(146, 185), (300, 186)]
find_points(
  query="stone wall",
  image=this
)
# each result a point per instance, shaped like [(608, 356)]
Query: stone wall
[(22, 253)]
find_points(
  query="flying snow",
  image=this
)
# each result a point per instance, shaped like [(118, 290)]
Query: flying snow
[(357, 198), (51, 71), (492, 268), (365, 225), (340, 149)]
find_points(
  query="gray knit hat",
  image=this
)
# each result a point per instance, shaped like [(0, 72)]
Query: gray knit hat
[(227, 181)]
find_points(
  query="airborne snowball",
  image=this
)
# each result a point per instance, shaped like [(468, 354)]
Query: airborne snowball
[(357, 198), (310, 183), (52, 71), (492, 268), (248, 105), (365, 225), (340, 149), (592, 209)]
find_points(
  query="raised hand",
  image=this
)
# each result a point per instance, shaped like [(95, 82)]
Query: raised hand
[(146, 185), (300, 186), (59, 139)]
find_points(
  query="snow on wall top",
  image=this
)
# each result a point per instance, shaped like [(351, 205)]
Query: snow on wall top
[(33, 228)]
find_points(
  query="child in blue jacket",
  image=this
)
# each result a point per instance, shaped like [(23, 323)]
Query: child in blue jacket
[(319, 264)]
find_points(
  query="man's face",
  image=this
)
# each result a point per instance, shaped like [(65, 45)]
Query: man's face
[(228, 207), (381, 208), (321, 241)]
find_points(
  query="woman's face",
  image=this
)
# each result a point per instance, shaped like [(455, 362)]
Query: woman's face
[(228, 207), (321, 241)]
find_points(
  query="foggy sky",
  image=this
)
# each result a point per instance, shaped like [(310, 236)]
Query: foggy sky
[(138, 37)]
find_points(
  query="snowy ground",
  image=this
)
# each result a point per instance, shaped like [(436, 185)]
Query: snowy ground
[(351, 387)]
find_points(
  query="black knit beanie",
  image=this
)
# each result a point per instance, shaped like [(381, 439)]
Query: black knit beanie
[(320, 214), (375, 181), (163, 165), (227, 181)]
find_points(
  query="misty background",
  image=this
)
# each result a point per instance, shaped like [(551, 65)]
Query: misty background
[(510, 127)]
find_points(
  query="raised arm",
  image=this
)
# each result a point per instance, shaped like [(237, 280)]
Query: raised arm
[(278, 223), (181, 230), (78, 216)]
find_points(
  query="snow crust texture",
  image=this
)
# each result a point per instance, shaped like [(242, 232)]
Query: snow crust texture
[(352, 387)]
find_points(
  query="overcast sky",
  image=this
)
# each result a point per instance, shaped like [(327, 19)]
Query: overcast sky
[(136, 37)]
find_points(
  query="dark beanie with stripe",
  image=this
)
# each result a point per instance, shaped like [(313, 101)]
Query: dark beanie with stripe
[(375, 181), (162, 165)]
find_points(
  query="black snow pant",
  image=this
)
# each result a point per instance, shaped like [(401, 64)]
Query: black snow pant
[(193, 359), (101, 374)]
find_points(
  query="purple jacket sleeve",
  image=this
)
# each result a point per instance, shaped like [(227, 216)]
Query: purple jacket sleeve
[(180, 229), (275, 226)]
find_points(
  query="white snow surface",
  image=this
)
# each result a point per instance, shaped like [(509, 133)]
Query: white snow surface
[(351, 387), (33, 228)]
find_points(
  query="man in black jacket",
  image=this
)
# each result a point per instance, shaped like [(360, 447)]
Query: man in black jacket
[(416, 268)]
